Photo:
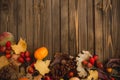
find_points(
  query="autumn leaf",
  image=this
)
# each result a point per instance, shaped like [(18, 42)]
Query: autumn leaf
[(93, 75), (42, 66), (20, 47)]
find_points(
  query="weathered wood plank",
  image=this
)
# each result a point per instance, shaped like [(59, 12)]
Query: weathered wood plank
[(90, 26), (12, 18), (72, 27), (46, 24), (36, 27), (116, 28), (107, 27), (82, 13), (98, 29), (21, 29), (4, 15), (76, 27), (42, 22), (29, 24), (56, 25), (64, 25)]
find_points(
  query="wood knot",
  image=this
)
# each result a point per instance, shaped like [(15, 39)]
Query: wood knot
[(5, 7), (5, 4)]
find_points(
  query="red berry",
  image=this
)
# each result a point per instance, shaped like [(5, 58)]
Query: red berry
[(47, 78), (28, 59), (27, 54), (8, 48), (30, 69), (2, 48), (71, 74), (95, 57), (20, 59), (112, 78), (32, 65), (84, 62), (22, 54), (8, 44), (92, 61), (7, 51), (89, 65), (99, 65), (8, 55)]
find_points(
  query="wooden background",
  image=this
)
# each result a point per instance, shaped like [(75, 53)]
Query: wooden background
[(65, 25)]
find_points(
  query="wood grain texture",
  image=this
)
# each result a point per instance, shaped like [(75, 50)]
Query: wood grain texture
[(21, 19), (72, 27), (29, 24), (107, 27), (90, 26), (46, 25), (82, 16), (36, 24), (98, 29), (56, 25), (116, 28), (4, 15), (12, 18), (64, 25)]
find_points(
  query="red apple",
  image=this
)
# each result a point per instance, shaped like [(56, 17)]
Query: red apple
[(27, 54), (21, 59)]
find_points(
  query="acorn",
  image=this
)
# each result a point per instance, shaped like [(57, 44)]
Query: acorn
[(70, 74), (109, 70), (30, 69)]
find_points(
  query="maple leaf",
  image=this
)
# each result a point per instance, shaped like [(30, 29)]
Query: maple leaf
[(42, 66), (20, 47), (93, 75)]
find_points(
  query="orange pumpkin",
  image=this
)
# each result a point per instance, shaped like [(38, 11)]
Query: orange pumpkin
[(41, 53), (23, 78)]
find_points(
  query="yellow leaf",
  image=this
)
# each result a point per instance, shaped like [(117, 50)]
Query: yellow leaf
[(93, 75), (42, 66), (3, 61), (20, 47)]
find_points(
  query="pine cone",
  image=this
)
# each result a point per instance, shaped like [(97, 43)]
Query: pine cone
[(9, 72), (61, 66)]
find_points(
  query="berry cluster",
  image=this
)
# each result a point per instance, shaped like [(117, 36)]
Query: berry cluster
[(24, 57), (7, 50), (93, 61)]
